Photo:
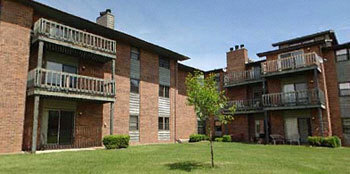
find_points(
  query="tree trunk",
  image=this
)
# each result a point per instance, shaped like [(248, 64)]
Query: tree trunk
[(212, 152), (211, 147)]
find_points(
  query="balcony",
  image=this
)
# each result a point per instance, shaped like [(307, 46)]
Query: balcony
[(242, 78), (312, 98), (246, 106), (60, 84), (292, 64), (59, 34)]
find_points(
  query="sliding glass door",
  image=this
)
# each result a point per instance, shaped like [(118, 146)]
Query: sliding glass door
[(60, 127)]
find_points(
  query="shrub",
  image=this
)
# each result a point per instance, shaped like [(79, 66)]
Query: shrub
[(198, 137), (219, 139), (332, 141), (116, 141), (226, 138)]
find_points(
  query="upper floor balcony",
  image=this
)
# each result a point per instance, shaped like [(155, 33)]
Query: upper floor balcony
[(311, 98), (242, 77), (67, 85), (246, 106), (292, 64), (63, 35)]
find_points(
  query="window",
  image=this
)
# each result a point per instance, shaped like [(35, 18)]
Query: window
[(218, 126), (134, 86), (217, 80), (163, 123), (344, 89), (134, 123), (135, 53), (164, 63), (200, 127), (55, 78), (290, 54), (346, 125), (342, 55), (163, 91)]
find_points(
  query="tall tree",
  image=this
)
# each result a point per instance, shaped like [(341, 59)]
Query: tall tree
[(208, 102)]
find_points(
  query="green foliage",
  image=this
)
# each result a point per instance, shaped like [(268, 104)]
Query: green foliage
[(207, 100), (198, 137), (332, 141), (226, 138), (219, 139), (116, 141)]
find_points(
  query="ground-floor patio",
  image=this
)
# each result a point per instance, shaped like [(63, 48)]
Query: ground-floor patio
[(185, 158)]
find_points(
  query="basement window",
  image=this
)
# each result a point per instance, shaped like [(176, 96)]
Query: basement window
[(344, 89), (342, 55), (163, 91), (346, 125), (163, 123), (134, 123)]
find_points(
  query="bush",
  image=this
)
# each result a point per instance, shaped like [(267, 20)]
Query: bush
[(219, 139), (226, 138), (332, 141), (198, 137), (116, 141)]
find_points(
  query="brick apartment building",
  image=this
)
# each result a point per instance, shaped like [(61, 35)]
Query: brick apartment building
[(66, 82), (301, 88)]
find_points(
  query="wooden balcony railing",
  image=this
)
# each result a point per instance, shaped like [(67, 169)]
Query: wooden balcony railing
[(246, 105), (291, 63), (57, 31), (241, 76), (296, 98), (56, 81)]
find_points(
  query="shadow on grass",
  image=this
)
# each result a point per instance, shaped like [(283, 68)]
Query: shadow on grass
[(187, 166)]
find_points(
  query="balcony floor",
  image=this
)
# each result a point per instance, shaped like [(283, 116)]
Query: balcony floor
[(294, 107), (283, 72), (69, 94), (72, 46), (243, 83)]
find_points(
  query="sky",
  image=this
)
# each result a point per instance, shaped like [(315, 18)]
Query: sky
[(204, 30)]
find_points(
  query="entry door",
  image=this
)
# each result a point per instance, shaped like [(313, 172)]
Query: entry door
[(302, 96), (304, 129), (291, 128), (60, 127), (289, 94)]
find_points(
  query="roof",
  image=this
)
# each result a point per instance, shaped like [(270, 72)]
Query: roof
[(340, 46), (188, 68), (298, 39), (215, 70), (93, 27), (276, 51)]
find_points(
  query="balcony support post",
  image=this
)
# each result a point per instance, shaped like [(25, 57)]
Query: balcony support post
[(40, 54), (111, 119), (320, 118), (35, 123), (266, 118)]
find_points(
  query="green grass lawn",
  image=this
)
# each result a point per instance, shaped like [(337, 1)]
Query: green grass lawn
[(185, 158)]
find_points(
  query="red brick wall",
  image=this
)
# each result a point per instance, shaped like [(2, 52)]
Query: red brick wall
[(88, 124), (333, 93), (149, 97), (276, 122), (186, 119), (14, 52), (238, 128)]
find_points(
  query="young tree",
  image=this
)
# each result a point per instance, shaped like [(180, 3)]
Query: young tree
[(208, 102)]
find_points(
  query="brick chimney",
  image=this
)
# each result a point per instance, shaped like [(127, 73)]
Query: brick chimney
[(106, 19), (237, 58)]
